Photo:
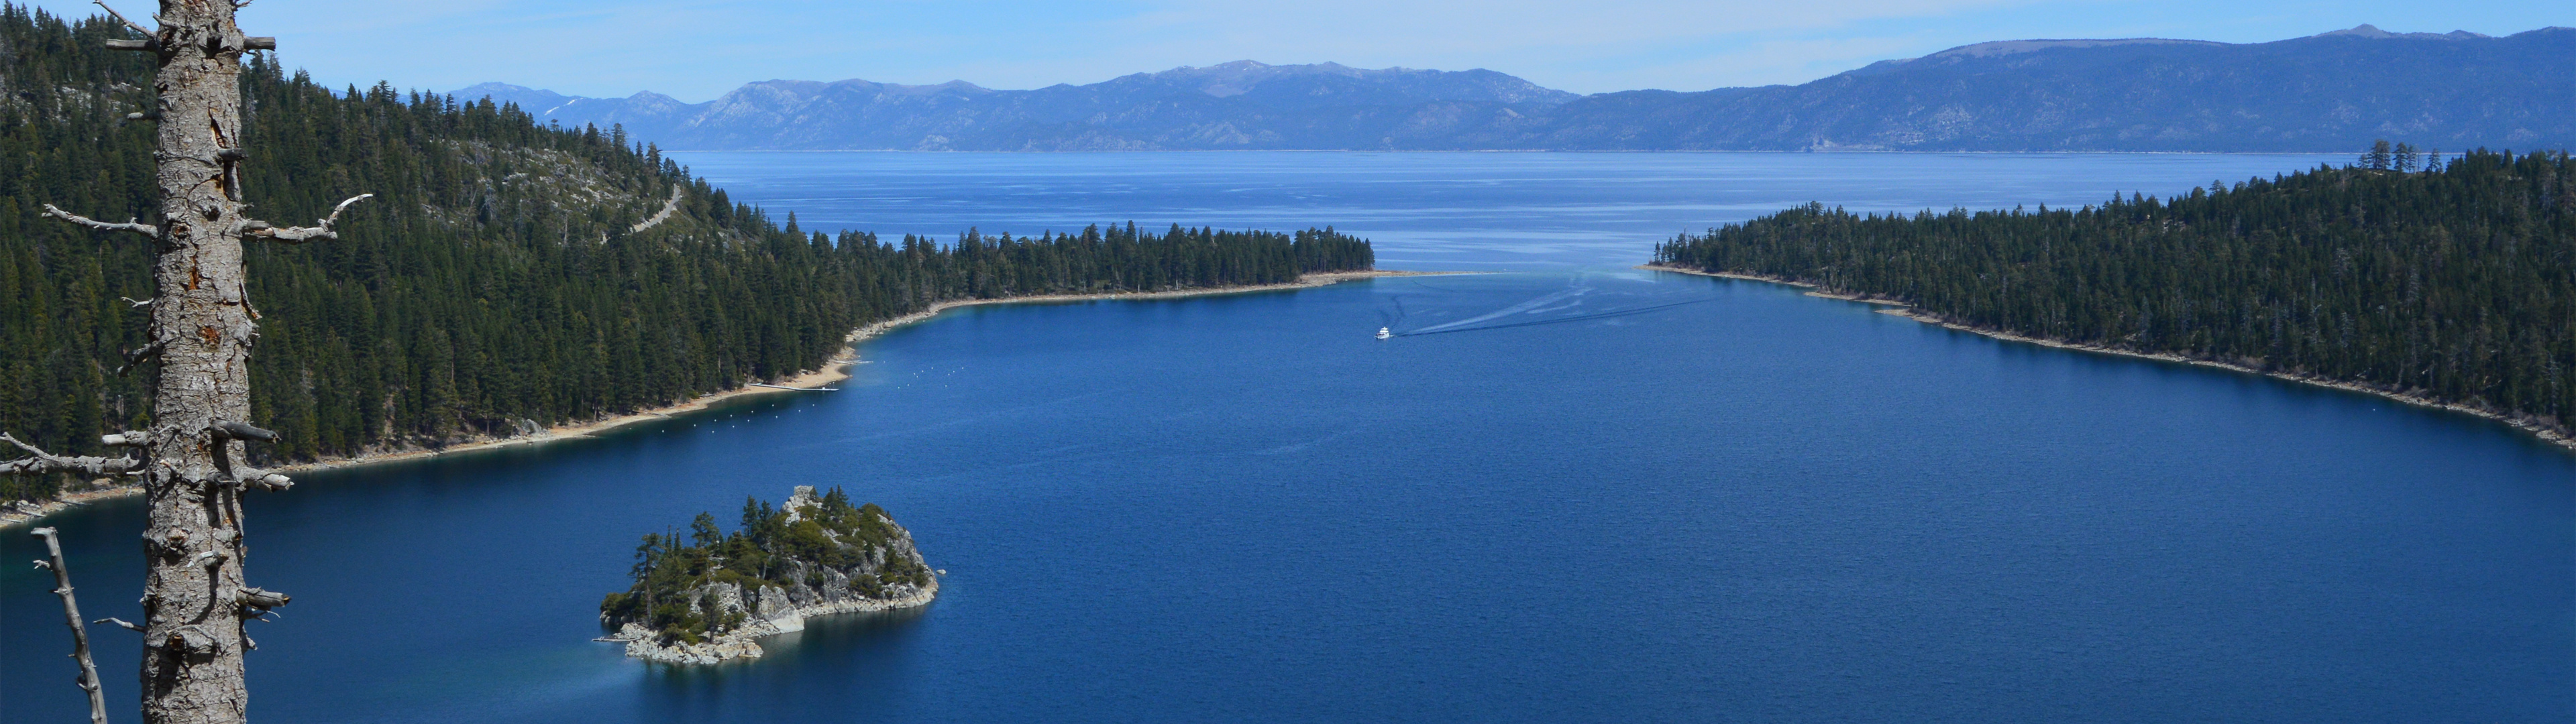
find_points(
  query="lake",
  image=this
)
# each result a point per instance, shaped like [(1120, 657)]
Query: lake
[(1736, 503)]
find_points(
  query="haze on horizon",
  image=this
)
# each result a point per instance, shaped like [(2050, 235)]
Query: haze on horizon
[(695, 51)]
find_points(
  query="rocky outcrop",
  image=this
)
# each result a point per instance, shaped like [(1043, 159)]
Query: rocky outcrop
[(708, 598), (742, 643)]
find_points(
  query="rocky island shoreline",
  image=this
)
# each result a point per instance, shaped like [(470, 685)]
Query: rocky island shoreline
[(706, 597)]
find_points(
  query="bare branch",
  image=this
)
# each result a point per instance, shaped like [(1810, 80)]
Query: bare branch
[(250, 477), (88, 680), (243, 476), (268, 481), (6, 437), (121, 623), (130, 300), (242, 431), (135, 357), (120, 17), (129, 225), (43, 462), (126, 439), (301, 234), (250, 597), (344, 204)]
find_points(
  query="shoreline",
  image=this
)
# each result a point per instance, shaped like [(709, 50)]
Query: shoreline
[(1901, 309), (744, 643), (835, 370)]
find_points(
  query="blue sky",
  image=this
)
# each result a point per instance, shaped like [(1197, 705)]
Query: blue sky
[(697, 50)]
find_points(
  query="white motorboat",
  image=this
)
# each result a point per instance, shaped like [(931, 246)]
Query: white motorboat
[(1383, 333)]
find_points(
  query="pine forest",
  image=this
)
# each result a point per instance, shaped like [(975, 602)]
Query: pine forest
[(2454, 283), (505, 273)]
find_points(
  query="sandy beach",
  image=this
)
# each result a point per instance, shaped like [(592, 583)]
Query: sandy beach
[(1907, 311), (834, 371)]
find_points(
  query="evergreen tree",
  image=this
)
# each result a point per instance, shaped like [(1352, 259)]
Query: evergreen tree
[(504, 276), (2457, 284)]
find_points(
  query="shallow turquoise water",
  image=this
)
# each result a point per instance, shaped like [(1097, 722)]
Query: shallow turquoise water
[(1758, 506)]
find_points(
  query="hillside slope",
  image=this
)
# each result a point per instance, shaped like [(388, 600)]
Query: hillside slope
[(503, 279)]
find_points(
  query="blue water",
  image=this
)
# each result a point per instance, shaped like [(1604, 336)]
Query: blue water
[(1756, 506), (1445, 211)]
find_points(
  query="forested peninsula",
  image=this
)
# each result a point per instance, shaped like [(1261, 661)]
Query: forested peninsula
[(507, 276), (2453, 285)]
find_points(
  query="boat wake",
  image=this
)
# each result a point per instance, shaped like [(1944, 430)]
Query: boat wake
[(1572, 297), (1453, 327), (1529, 307)]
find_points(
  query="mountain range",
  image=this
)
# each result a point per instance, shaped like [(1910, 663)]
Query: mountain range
[(2334, 92)]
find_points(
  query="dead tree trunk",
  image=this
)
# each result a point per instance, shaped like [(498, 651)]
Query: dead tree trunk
[(194, 598), (88, 680)]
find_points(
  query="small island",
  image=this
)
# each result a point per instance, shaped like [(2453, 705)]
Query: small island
[(701, 598)]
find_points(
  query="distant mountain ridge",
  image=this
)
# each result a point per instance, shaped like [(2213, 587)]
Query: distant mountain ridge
[(2332, 92), (1238, 104)]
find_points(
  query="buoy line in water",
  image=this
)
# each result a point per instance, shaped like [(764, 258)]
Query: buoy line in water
[(1559, 320)]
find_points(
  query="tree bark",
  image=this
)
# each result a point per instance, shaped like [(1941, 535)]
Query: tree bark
[(193, 638), (202, 329)]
